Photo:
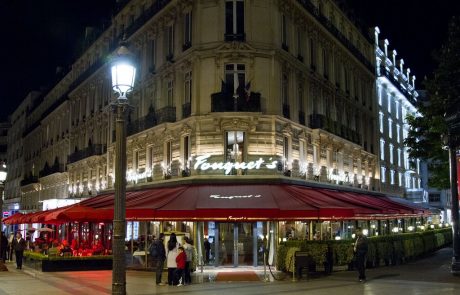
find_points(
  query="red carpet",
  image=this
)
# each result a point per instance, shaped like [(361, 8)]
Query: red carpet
[(237, 276)]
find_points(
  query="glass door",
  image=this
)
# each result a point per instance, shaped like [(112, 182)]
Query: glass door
[(226, 244), (236, 244)]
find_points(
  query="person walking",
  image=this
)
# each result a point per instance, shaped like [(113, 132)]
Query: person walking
[(360, 249), (171, 259), (19, 245), (158, 254), (10, 246), (181, 260), (4, 243), (189, 253), (207, 249)]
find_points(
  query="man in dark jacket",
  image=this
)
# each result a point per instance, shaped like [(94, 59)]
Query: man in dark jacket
[(159, 257), (4, 242), (19, 245), (360, 248)]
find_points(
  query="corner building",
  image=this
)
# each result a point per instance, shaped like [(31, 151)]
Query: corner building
[(232, 95)]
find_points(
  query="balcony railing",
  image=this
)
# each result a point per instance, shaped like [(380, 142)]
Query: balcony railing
[(235, 37), (186, 110), (318, 121), (166, 114), (92, 150), (225, 102), (141, 124), (56, 168), (29, 180)]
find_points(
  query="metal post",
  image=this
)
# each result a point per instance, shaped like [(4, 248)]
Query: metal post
[(455, 216), (2, 265), (119, 217)]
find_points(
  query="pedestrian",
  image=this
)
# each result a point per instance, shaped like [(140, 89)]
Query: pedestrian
[(207, 249), (19, 245), (4, 244), (171, 259), (10, 246), (181, 260), (158, 254), (189, 253), (360, 249)]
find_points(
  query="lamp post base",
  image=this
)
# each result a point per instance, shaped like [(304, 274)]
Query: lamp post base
[(455, 267)]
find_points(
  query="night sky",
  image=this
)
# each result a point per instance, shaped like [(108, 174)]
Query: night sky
[(38, 36)]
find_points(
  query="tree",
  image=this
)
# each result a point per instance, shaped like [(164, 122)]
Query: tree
[(427, 132)]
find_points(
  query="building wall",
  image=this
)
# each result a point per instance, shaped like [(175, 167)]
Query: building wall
[(305, 105), (396, 97)]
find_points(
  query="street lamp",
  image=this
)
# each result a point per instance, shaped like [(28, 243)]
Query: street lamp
[(3, 174), (123, 75), (452, 118)]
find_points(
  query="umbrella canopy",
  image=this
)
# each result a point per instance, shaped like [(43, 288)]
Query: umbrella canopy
[(45, 229)]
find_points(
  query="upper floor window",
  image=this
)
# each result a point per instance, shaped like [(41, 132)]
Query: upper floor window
[(392, 176), (151, 52), (286, 152), (186, 152), (398, 132), (382, 174), (235, 77), (382, 149), (399, 157), (299, 44), (325, 64), (379, 94), (390, 128), (284, 89), (170, 42), (234, 20), (391, 153), (170, 92), (389, 104), (397, 109), (312, 54), (381, 122), (168, 158), (187, 30), (188, 87), (284, 33)]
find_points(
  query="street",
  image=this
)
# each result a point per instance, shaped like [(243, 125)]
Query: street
[(430, 275)]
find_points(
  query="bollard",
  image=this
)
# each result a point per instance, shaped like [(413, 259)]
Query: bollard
[(294, 279)]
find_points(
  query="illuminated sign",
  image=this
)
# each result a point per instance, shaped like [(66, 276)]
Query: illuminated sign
[(133, 176), (6, 214), (234, 197), (203, 164)]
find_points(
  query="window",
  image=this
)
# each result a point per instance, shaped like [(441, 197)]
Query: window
[(168, 156), (392, 176), (434, 198), (170, 43), (284, 33), (382, 149), (187, 30), (234, 147), (299, 44), (188, 87), (150, 157), (399, 157), (151, 56), (325, 64), (235, 76), (300, 97), (398, 132), (390, 128), (284, 89), (312, 54), (397, 109), (389, 103), (400, 178), (379, 93), (170, 93), (286, 153), (391, 153), (382, 172), (381, 122), (136, 161), (234, 20), (186, 152)]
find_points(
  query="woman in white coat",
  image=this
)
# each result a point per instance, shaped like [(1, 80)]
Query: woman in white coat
[(171, 255)]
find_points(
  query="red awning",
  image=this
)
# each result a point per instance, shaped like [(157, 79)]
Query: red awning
[(13, 219), (231, 203)]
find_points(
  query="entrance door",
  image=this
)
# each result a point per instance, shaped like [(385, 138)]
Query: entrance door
[(235, 245)]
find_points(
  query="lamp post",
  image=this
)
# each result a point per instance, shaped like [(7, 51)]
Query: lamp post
[(3, 174), (453, 126), (123, 75)]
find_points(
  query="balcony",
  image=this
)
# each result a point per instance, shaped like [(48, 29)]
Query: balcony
[(47, 170), (141, 124), (225, 102), (29, 180), (318, 121), (186, 110), (286, 111), (241, 37), (92, 150)]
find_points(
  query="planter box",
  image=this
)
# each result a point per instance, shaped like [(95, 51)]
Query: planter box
[(75, 264)]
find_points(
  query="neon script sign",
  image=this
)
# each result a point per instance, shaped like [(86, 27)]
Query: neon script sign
[(234, 197), (203, 164)]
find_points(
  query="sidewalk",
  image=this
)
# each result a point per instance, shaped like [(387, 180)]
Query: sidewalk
[(426, 276)]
